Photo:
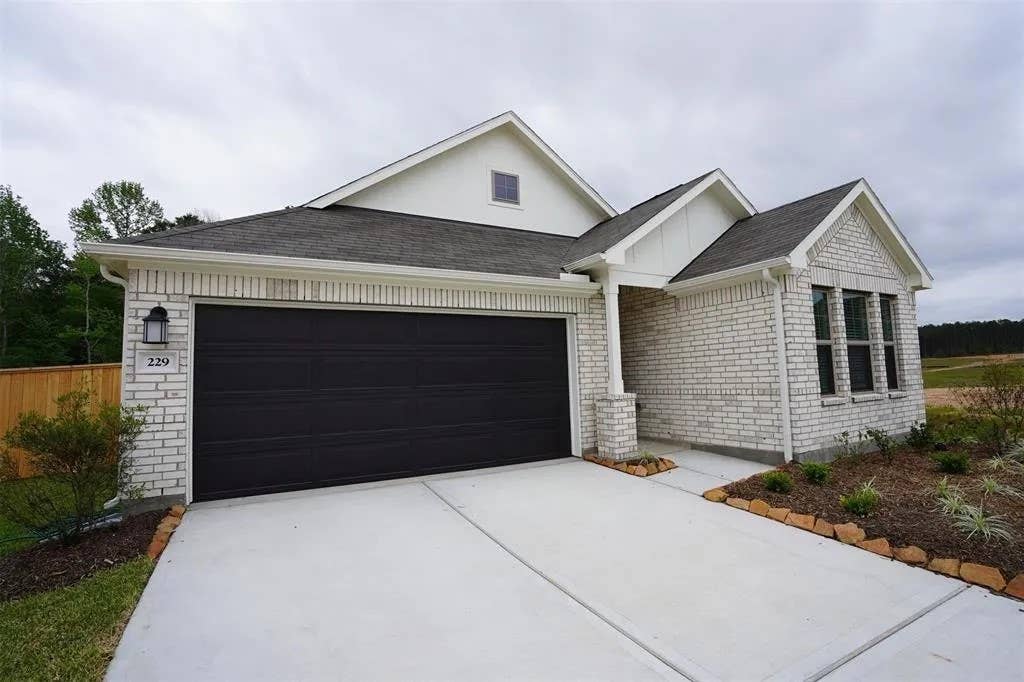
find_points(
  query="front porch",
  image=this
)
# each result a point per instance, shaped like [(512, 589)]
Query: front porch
[(697, 470)]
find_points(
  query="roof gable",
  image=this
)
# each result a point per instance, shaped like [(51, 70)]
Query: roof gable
[(761, 237), (624, 230), (509, 119), (787, 235)]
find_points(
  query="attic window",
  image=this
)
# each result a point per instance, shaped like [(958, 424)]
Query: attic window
[(505, 187)]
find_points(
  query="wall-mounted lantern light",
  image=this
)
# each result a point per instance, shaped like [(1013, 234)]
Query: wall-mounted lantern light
[(154, 328)]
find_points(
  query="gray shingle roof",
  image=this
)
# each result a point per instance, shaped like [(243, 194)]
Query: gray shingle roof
[(763, 236), (606, 234), (348, 233)]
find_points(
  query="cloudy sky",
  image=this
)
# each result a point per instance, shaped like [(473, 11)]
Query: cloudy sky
[(236, 109)]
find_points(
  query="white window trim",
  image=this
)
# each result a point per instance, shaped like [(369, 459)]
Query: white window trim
[(894, 321), (830, 342), (859, 342), (504, 202)]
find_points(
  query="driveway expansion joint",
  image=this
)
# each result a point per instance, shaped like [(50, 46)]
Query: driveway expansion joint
[(875, 641), (688, 669)]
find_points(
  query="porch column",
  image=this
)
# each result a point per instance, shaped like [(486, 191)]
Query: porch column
[(611, 316), (616, 412)]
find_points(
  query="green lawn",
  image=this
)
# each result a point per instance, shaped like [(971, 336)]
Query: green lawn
[(70, 633), (938, 363), (9, 529), (956, 377)]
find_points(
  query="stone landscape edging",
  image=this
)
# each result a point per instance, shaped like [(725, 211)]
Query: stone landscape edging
[(852, 534), (168, 524), (659, 465)]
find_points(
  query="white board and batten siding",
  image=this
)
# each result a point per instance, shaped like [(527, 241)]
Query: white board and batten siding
[(671, 246), (457, 185)]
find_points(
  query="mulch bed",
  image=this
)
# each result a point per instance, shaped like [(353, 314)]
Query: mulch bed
[(51, 565), (906, 513)]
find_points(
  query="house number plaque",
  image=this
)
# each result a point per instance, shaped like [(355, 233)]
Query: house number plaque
[(156, 362)]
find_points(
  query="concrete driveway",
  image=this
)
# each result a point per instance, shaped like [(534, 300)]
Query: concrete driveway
[(558, 571)]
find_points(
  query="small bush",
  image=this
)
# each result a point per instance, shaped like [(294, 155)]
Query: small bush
[(999, 399), (921, 436), (816, 472), (75, 455), (883, 441), (846, 446), (863, 500), (777, 481), (952, 462)]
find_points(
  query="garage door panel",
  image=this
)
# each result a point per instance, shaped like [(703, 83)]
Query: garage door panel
[(489, 369), (229, 421), (290, 325), (253, 374), (530, 436), (356, 327), (360, 413), (291, 398), (343, 461), (365, 371), (282, 466)]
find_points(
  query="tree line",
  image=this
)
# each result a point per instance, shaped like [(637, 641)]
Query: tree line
[(971, 338), (55, 307)]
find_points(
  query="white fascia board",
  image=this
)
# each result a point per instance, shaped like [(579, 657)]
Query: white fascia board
[(584, 263), (509, 117), (617, 253), (730, 276), (879, 217), (135, 256)]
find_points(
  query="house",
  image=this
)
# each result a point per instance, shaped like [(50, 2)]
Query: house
[(478, 303)]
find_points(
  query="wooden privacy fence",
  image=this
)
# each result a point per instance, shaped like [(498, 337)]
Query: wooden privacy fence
[(36, 389)]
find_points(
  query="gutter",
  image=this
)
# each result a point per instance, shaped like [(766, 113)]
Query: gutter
[(123, 283), (780, 349), (717, 278), (221, 260)]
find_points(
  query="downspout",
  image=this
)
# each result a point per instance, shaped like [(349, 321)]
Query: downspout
[(780, 349), (123, 283)]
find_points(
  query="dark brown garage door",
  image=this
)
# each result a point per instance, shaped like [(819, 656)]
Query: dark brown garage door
[(296, 398)]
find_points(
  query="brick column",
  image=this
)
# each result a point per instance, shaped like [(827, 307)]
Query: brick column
[(840, 360), (877, 342), (616, 426)]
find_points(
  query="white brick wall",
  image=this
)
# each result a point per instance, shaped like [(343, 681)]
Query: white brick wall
[(704, 366), (160, 458), (851, 256)]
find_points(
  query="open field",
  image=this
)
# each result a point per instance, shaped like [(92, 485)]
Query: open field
[(949, 372)]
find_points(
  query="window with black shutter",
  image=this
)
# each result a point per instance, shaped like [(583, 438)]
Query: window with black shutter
[(823, 339), (858, 341), (892, 375)]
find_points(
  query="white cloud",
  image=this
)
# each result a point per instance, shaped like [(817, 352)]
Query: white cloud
[(243, 108)]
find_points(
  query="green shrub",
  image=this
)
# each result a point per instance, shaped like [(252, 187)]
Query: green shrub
[(816, 472), (863, 500), (76, 455), (883, 441), (921, 436), (777, 481), (952, 462), (999, 400), (846, 446)]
